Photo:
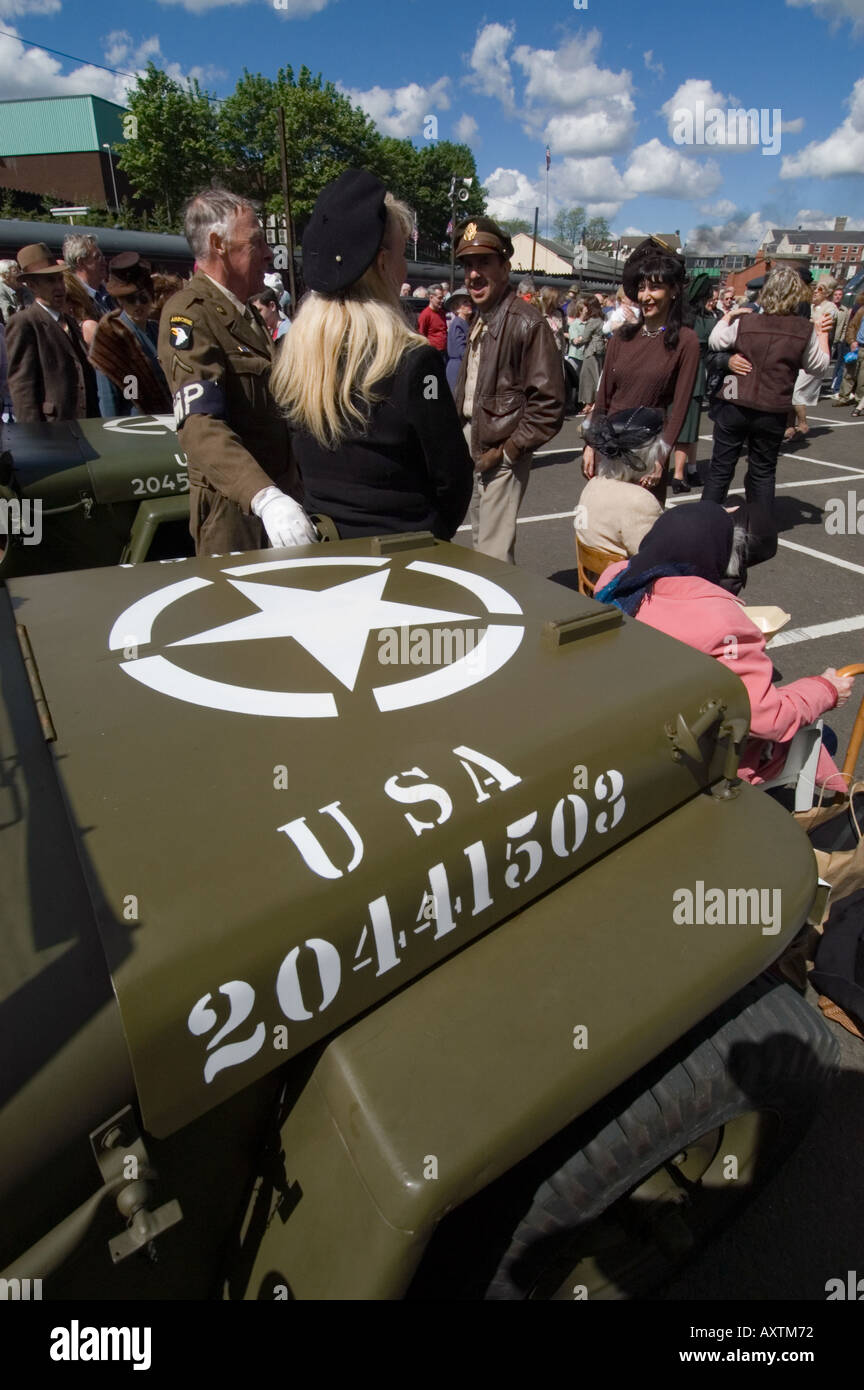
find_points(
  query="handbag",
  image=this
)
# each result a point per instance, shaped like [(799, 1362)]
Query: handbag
[(835, 832)]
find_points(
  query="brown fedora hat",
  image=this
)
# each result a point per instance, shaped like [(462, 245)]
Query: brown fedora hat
[(38, 259), (124, 289)]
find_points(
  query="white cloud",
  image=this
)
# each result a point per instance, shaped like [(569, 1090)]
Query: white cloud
[(465, 129), (841, 153), (31, 72), (632, 231), (743, 232), (607, 210), (578, 105), (511, 194), (792, 127), (723, 209), (666, 173), (657, 68), (10, 8), (835, 11), (401, 111), (590, 180), (600, 127), (812, 217), (288, 9), (490, 66)]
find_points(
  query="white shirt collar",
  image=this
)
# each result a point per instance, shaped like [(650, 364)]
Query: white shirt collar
[(53, 312), (238, 303)]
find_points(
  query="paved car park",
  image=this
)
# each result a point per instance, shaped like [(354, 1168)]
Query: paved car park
[(808, 1225)]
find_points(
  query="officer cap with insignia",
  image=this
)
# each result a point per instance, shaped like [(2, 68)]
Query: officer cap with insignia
[(345, 231), (480, 236)]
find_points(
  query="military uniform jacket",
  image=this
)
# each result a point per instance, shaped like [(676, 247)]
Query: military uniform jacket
[(217, 364), (50, 377)]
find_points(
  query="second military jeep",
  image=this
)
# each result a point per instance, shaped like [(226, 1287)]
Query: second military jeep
[(380, 921), (78, 493)]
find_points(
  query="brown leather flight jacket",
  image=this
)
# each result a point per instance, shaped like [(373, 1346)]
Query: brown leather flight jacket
[(519, 400), (775, 345)]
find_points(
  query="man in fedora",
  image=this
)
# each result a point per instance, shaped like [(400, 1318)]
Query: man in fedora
[(50, 377), (510, 390)]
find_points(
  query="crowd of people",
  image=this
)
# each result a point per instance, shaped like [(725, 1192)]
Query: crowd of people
[(386, 408)]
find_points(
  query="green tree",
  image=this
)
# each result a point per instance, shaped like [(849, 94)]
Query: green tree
[(512, 225), (568, 224), (596, 234), (171, 150), (436, 162), (325, 135)]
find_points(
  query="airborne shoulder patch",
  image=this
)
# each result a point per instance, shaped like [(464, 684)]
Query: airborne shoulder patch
[(180, 329)]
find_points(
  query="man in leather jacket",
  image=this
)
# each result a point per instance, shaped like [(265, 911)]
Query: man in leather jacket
[(510, 391)]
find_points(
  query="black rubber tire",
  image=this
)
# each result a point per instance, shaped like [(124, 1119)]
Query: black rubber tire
[(767, 1050)]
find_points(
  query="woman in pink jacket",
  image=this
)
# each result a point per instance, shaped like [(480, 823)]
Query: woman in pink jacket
[(674, 584)]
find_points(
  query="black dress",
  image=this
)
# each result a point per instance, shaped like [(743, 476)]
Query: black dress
[(409, 470)]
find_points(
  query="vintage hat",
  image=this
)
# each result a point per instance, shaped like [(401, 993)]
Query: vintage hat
[(699, 289), (652, 255), (128, 267), (481, 235), (124, 289), (345, 231), (38, 259)]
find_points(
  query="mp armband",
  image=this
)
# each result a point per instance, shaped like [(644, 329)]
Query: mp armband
[(199, 398)]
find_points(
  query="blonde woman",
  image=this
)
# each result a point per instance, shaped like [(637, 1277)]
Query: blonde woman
[(772, 347), (809, 384), (375, 429)]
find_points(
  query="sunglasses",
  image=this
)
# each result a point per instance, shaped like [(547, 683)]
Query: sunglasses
[(141, 297)]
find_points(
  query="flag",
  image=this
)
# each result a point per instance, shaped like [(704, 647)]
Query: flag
[(450, 228), (548, 159), (414, 231)]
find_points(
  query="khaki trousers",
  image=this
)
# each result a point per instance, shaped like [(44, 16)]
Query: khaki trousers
[(495, 504)]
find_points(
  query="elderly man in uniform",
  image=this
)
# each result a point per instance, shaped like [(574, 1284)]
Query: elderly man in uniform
[(217, 354), (510, 390)]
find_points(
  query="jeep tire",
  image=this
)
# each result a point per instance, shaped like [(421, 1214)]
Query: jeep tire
[(723, 1108)]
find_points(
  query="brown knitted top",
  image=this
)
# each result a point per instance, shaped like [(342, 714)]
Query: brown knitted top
[(642, 372)]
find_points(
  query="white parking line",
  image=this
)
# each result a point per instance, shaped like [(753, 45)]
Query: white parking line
[(820, 555), (799, 458), (673, 501), (827, 420), (526, 520), (812, 634)]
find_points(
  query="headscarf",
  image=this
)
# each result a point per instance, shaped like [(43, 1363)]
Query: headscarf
[(696, 539)]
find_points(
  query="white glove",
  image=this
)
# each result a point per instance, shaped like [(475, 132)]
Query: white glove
[(284, 520)]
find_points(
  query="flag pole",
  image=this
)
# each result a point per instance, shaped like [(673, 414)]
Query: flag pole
[(548, 163), (534, 239)]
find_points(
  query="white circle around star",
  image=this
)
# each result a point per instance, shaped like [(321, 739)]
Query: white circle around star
[(332, 625)]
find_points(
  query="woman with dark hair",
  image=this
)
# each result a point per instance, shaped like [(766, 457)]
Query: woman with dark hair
[(129, 376), (676, 585), (654, 362)]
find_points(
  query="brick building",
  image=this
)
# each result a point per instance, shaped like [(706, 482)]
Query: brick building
[(55, 147)]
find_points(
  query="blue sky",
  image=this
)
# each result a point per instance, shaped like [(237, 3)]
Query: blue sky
[(607, 86)]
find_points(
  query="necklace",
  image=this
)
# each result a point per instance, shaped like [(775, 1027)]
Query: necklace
[(652, 332)]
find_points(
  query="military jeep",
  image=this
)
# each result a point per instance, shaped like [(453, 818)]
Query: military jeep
[(380, 921), (79, 493)]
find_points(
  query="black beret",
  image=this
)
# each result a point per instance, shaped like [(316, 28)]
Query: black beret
[(345, 231)]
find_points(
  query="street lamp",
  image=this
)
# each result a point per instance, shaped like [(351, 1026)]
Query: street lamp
[(107, 147)]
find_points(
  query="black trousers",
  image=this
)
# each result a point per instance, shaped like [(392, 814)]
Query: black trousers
[(762, 432)]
